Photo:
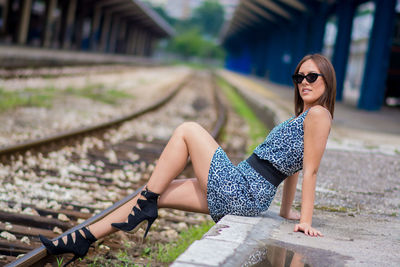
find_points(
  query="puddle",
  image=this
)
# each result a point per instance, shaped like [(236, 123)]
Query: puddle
[(280, 254)]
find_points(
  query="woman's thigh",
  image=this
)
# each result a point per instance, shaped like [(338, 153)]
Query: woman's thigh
[(184, 194), (201, 147)]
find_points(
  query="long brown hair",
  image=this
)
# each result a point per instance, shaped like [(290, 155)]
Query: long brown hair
[(327, 99)]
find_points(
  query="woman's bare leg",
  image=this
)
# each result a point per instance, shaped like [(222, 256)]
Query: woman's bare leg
[(189, 139), (184, 194)]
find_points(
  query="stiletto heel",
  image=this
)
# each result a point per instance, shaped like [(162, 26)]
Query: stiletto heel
[(79, 247), (149, 223), (147, 211)]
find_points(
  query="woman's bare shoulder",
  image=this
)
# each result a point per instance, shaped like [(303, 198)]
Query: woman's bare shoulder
[(319, 112), (320, 115)]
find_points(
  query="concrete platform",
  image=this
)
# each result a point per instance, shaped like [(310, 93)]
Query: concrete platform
[(357, 196)]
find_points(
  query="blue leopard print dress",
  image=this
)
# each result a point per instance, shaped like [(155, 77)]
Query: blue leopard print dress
[(241, 190)]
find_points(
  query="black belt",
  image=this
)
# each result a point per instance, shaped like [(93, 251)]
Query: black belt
[(266, 170)]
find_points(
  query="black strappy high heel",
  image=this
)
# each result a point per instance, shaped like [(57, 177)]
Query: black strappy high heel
[(79, 248), (147, 211)]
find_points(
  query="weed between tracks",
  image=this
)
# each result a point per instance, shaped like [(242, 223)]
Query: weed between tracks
[(258, 130), (44, 97), (26, 98), (99, 92)]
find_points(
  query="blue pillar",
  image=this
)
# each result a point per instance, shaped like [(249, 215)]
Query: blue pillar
[(317, 26), (274, 56), (260, 57), (240, 59), (287, 57), (264, 51), (229, 60), (253, 49), (271, 54), (345, 14), (299, 42), (377, 61)]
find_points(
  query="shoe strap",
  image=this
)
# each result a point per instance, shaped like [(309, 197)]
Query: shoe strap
[(89, 236), (70, 240), (149, 195), (79, 236)]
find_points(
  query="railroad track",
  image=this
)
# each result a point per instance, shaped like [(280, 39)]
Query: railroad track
[(58, 71), (99, 171), (61, 138)]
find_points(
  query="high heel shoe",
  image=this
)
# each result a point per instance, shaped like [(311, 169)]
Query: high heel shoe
[(147, 211), (79, 247)]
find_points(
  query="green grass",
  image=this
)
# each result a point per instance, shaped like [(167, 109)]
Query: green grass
[(26, 98), (258, 130), (98, 92), (44, 97), (169, 252)]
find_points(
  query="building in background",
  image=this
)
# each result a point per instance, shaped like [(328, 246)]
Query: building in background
[(125, 26)]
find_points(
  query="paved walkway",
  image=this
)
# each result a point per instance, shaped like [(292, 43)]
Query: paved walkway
[(357, 199)]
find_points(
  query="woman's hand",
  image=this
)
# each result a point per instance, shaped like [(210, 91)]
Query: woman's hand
[(307, 229), (291, 215)]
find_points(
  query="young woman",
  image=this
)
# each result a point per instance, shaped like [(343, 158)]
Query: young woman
[(221, 188)]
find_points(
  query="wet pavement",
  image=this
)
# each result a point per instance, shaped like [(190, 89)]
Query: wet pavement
[(357, 203)]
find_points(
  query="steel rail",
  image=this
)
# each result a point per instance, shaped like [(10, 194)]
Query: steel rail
[(39, 253), (24, 146)]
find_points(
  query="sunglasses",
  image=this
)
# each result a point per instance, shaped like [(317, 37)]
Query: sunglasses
[(311, 77)]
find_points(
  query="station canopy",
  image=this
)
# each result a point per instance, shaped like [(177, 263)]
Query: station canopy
[(138, 11), (252, 14)]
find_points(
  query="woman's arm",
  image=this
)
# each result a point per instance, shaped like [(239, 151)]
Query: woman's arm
[(316, 130), (289, 190)]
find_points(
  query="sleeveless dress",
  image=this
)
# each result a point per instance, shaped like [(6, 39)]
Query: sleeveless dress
[(242, 190)]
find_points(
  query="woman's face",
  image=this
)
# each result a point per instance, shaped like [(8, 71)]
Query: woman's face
[(310, 92)]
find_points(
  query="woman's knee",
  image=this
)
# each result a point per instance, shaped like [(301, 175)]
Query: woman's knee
[(187, 127)]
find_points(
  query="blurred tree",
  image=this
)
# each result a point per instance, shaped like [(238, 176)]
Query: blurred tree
[(196, 37), (209, 17), (187, 44)]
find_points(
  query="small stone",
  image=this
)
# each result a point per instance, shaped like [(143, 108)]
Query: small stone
[(20, 256), (57, 230), (30, 211), (85, 210), (104, 247), (8, 226), (162, 213), (111, 156), (170, 234), (25, 240), (8, 236), (63, 217), (132, 156), (182, 227)]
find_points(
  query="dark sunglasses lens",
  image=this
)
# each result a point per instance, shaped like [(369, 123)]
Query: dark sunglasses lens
[(311, 77), (298, 78)]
